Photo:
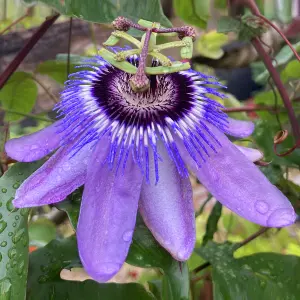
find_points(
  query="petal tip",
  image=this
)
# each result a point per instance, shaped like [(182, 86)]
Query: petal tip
[(282, 217), (104, 271)]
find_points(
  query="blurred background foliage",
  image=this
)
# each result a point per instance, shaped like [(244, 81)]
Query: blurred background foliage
[(266, 268)]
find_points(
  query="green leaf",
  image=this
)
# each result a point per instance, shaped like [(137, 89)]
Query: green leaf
[(176, 284), (209, 44), (105, 11), (228, 24), (44, 279), (145, 252), (291, 71), (18, 94), (212, 222), (41, 232), (193, 12), (55, 70), (261, 74), (72, 206), (13, 234), (258, 276)]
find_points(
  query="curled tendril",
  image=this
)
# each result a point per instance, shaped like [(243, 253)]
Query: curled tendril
[(262, 163), (279, 138)]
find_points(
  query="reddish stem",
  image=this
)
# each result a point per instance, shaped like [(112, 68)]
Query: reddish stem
[(26, 49), (16, 22), (281, 89)]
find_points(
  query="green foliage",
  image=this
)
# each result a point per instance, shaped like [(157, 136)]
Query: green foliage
[(209, 44), (13, 234), (56, 70), (19, 94), (246, 28), (259, 276), (105, 11), (41, 232), (261, 74), (212, 222), (193, 12), (44, 279)]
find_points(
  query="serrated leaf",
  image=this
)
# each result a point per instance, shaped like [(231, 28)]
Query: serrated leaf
[(45, 283), (228, 24), (13, 234), (193, 12), (18, 94), (258, 276), (105, 11)]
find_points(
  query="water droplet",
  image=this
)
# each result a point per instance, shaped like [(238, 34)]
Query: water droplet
[(20, 268), (44, 268), (12, 252), (16, 185), (5, 288), (43, 279), (9, 205), (3, 225), (13, 263), (20, 173), (3, 244), (270, 265), (261, 207), (127, 236), (262, 283), (4, 190), (10, 233), (0, 256), (7, 266), (1, 216), (14, 224), (139, 257), (17, 217), (18, 235), (0, 204)]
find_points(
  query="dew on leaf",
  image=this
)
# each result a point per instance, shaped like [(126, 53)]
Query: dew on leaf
[(3, 225), (18, 235), (12, 252), (3, 244), (5, 288), (4, 190)]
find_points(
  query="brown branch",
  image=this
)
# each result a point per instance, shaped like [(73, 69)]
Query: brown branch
[(15, 22), (26, 49)]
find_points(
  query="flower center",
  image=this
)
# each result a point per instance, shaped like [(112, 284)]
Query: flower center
[(168, 95)]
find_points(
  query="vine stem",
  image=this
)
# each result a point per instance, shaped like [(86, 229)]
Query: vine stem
[(269, 65), (15, 22), (238, 245), (26, 49)]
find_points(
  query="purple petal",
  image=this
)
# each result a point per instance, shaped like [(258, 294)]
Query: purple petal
[(167, 209), (252, 154), (107, 217), (34, 146), (238, 128), (56, 179), (238, 184)]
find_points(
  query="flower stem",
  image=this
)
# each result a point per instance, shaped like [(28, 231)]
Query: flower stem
[(140, 82), (25, 115), (26, 49)]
